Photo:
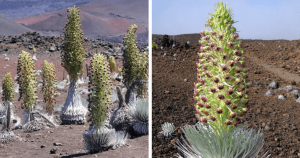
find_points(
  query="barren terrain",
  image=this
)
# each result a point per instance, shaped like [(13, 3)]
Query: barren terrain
[(39, 144), (267, 61)]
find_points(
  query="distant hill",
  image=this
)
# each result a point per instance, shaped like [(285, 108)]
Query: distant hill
[(99, 18), (9, 27)]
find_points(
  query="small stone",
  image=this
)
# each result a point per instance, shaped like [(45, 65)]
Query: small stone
[(6, 58), (174, 55), (274, 85), (52, 48), (164, 54), (296, 91), (53, 151), (57, 144), (269, 93), (28, 136), (185, 80), (281, 97), (42, 146), (293, 82)]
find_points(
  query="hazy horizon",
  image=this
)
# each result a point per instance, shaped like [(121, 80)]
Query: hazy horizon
[(267, 20)]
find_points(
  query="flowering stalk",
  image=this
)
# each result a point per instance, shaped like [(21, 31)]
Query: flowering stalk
[(221, 91)]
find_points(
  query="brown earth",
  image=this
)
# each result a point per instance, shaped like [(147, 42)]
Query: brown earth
[(71, 136), (267, 61)]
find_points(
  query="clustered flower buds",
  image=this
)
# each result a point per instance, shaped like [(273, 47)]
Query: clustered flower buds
[(221, 89)]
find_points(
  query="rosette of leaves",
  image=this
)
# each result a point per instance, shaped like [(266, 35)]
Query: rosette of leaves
[(202, 141), (221, 91), (49, 86), (140, 116), (112, 64), (135, 63), (73, 112), (27, 81)]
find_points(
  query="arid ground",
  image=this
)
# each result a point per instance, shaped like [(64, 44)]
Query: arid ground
[(39, 144), (267, 61)]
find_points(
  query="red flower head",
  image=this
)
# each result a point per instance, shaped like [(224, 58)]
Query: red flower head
[(228, 122), (230, 44), (232, 115), (238, 70), (202, 119), (224, 67), (228, 102), (220, 96), (207, 38), (207, 106), (218, 49), (213, 33), (232, 63), (213, 90), (224, 56), (236, 52), (209, 75), (234, 106), (214, 63), (219, 111), (205, 112), (241, 95), (213, 118), (200, 104), (227, 77), (198, 112), (204, 99), (212, 45), (221, 36), (195, 99), (216, 80), (230, 91), (220, 87)]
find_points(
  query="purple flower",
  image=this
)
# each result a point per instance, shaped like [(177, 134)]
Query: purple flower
[(220, 96), (221, 36), (228, 122), (230, 91), (216, 80), (218, 49), (219, 111), (213, 90), (230, 44), (228, 102), (204, 99), (213, 118), (220, 87)]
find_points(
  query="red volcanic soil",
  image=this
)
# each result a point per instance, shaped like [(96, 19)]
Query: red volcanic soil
[(70, 136), (104, 18), (267, 61)]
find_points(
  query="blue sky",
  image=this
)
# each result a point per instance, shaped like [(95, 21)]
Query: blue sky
[(257, 19)]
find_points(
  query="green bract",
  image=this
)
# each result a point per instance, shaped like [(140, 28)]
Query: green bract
[(8, 93), (99, 85), (73, 54), (27, 80), (221, 94), (49, 85), (135, 63)]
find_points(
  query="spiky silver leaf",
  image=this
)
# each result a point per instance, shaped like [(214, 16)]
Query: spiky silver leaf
[(167, 129), (140, 116), (205, 141)]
